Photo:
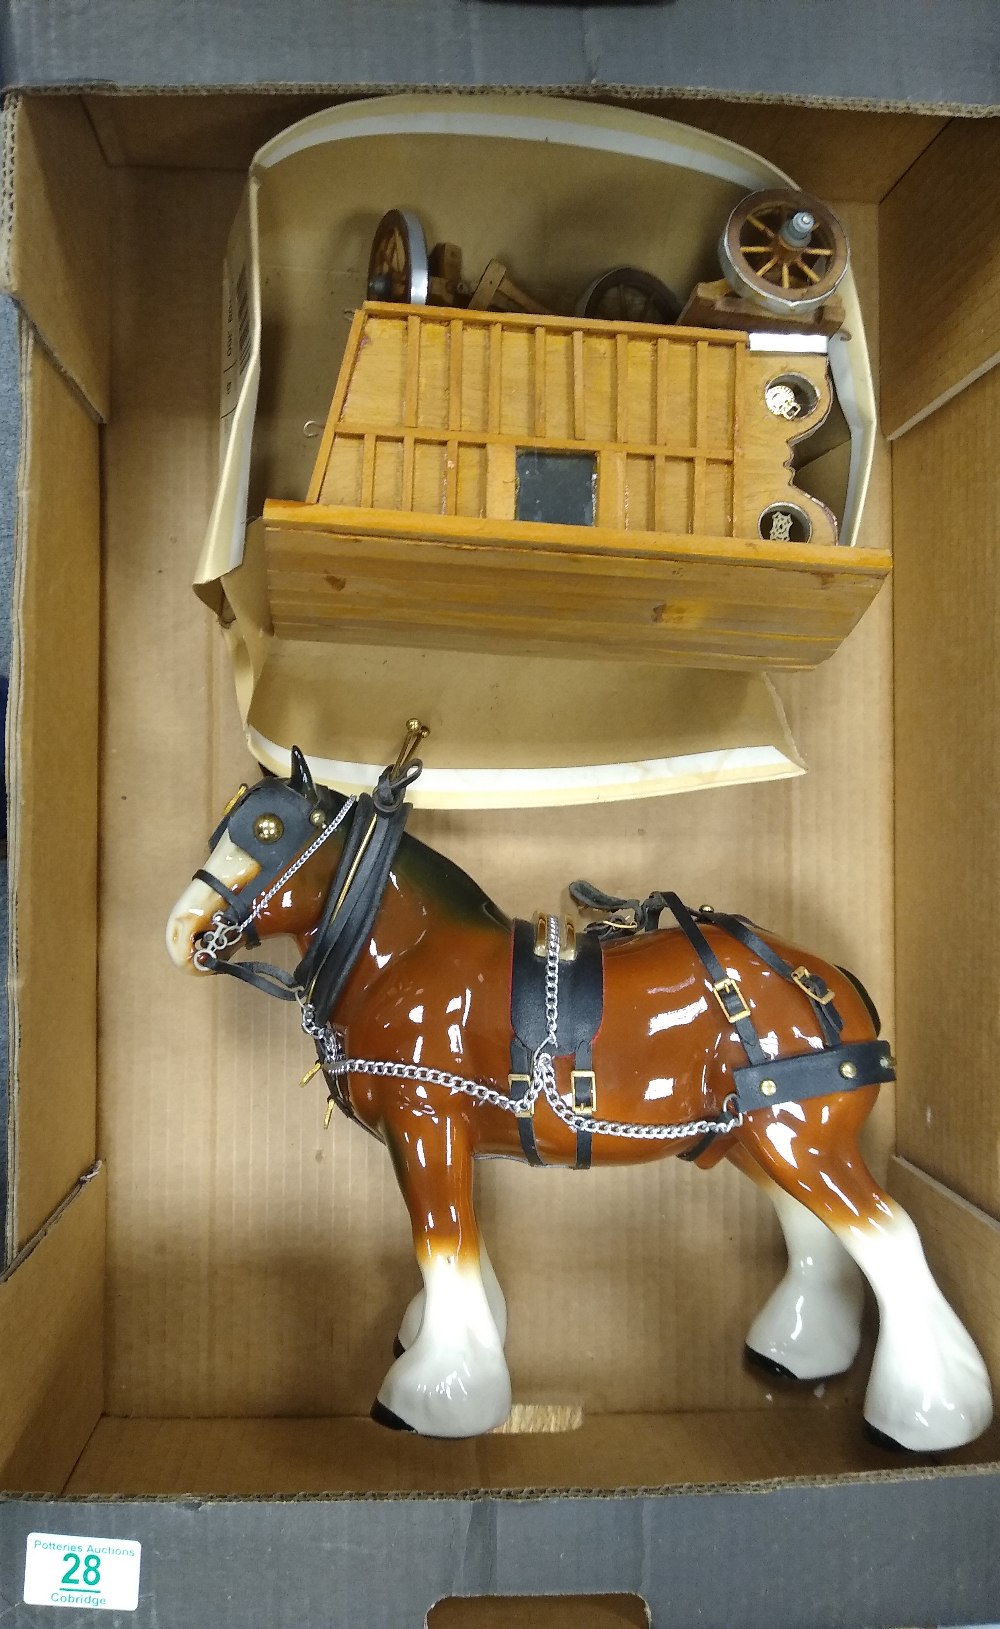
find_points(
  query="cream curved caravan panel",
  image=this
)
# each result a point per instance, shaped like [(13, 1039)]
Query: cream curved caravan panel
[(553, 727)]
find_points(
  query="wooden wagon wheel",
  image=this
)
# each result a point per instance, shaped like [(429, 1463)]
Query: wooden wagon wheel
[(626, 294), (785, 249), (397, 265)]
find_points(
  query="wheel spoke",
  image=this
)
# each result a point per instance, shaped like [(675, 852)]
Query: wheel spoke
[(763, 270), (813, 277), (786, 281)]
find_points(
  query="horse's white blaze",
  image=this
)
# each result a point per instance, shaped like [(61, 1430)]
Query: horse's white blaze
[(929, 1388), (812, 1323), (199, 903), (453, 1380), (409, 1327)]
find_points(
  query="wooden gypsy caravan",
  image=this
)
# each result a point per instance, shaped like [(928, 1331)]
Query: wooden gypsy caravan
[(580, 485), (522, 482)]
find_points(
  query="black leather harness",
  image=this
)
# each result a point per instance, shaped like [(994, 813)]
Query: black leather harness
[(763, 1082), (581, 1006), (297, 815)]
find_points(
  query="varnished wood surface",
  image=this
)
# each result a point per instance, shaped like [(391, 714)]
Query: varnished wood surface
[(517, 585), (409, 532)]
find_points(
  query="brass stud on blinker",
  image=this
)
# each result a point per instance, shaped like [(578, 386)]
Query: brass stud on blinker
[(317, 818), (768, 1088), (268, 828), (849, 1070)]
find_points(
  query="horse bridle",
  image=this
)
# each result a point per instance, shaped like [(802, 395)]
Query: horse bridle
[(299, 819)]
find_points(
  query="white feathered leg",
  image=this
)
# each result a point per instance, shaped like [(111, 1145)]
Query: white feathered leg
[(409, 1327), (811, 1324), (452, 1381), (928, 1389)]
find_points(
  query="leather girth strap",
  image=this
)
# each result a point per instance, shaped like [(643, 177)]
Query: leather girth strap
[(581, 1007)]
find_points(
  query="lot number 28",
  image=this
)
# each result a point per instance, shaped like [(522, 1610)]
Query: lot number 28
[(91, 1576)]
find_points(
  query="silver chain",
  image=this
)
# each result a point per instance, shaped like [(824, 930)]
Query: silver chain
[(225, 935), (543, 1074)]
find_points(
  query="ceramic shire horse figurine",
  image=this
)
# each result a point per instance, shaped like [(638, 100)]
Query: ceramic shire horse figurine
[(715, 1041)]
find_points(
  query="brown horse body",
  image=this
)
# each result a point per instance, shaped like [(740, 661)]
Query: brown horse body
[(431, 988)]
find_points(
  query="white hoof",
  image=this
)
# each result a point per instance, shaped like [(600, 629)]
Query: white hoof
[(938, 1398), (810, 1326), (457, 1391)]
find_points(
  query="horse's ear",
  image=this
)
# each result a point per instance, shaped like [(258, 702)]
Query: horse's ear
[(300, 779)]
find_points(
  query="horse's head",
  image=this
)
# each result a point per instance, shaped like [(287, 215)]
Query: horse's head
[(263, 830)]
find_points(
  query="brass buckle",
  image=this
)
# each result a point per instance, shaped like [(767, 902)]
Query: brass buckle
[(726, 987), (523, 1110), (801, 976), (584, 1074)]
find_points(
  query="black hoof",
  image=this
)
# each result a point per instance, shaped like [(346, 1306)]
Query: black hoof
[(879, 1439), (770, 1365), (384, 1416), (397, 1347)]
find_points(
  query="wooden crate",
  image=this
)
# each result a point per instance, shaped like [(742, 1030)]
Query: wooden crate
[(421, 524)]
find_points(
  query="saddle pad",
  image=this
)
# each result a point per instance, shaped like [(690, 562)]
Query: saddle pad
[(581, 993)]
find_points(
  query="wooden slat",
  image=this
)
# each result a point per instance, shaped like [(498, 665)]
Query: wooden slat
[(517, 319), (739, 415), (368, 471), (510, 585), (481, 438), (663, 426), (621, 387), (336, 408), (406, 500), (501, 486), (494, 379), (611, 490), (451, 477), (819, 561), (701, 423), (540, 342), (625, 585), (410, 391), (579, 391), (455, 376), (660, 516)]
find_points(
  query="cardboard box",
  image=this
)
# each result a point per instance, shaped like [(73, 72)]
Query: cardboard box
[(202, 1285)]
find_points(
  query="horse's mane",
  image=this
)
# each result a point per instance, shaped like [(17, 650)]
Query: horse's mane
[(441, 876)]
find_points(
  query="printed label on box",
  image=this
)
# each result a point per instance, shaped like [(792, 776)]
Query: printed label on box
[(63, 1570)]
